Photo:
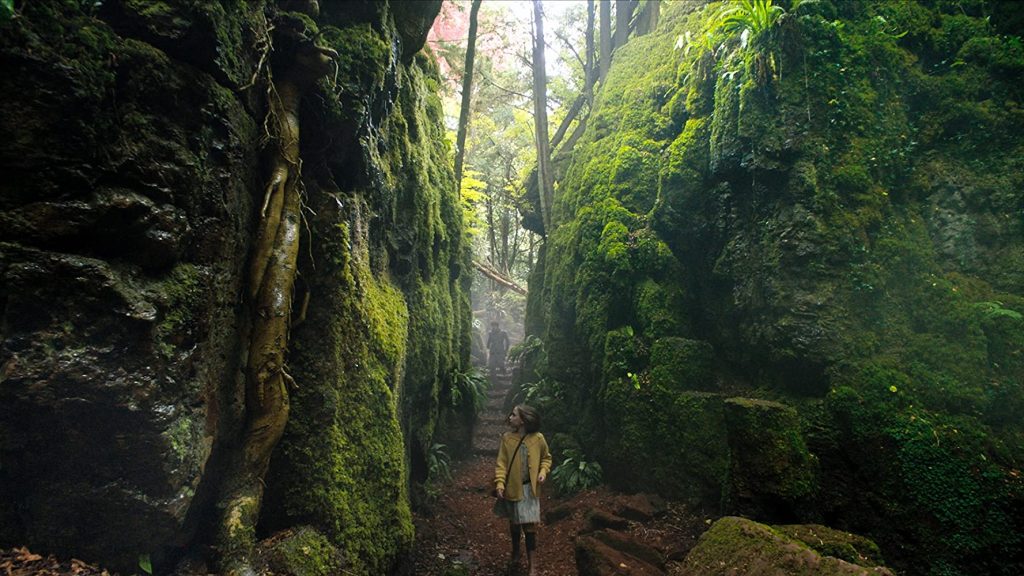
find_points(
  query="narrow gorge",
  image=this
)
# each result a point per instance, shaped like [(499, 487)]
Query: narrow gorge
[(777, 273)]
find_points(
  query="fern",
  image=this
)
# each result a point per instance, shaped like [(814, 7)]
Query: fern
[(469, 388), (530, 346), (754, 17), (438, 463), (574, 473), (996, 310)]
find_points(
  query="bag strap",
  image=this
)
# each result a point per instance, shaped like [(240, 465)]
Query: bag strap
[(513, 459)]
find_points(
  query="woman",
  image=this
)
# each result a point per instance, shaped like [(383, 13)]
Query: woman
[(523, 465)]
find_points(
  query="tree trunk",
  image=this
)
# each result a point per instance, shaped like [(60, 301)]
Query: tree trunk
[(499, 278), (492, 242), (647, 20), (606, 37), (574, 110), (545, 183), (589, 73), (467, 89), (623, 14)]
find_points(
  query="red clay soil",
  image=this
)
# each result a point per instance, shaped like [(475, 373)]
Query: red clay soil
[(461, 529)]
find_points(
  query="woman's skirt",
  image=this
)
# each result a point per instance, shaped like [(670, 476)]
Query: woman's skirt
[(526, 510)]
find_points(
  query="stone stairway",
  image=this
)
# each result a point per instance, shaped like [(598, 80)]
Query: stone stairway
[(491, 422)]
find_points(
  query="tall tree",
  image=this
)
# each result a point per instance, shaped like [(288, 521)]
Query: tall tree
[(623, 15), (467, 88), (590, 72), (647, 19), (545, 184), (606, 37)]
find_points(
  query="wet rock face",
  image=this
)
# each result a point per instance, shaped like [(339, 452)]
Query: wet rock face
[(124, 216), (413, 20), (130, 190)]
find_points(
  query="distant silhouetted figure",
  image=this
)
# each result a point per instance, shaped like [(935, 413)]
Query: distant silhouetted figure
[(497, 348)]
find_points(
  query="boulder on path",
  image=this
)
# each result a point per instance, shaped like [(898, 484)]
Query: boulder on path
[(836, 543), (598, 519), (641, 507), (738, 546), (608, 553)]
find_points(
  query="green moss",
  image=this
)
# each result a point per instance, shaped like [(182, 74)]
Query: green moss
[(740, 546), (303, 552), (829, 542), (770, 465), (660, 308), (180, 305), (363, 58), (387, 322), (837, 208), (678, 439), (343, 442), (681, 364)]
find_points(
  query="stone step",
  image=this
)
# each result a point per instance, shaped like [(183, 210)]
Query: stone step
[(486, 446), (498, 418)]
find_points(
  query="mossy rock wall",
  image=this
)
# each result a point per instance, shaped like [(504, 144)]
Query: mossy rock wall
[(126, 210), (133, 138), (835, 210), (388, 314)]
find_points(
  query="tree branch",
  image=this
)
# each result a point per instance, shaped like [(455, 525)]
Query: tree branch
[(498, 277)]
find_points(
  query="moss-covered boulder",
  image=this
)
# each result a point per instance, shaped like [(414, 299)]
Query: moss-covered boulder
[(301, 551), (671, 442), (736, 545), (836, 543), (770, 469)]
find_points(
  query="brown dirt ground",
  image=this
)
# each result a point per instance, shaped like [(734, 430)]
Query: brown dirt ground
[(460, 529), (21, 562)]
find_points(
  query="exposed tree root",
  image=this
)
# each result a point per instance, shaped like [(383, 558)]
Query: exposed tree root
[(271, 289)]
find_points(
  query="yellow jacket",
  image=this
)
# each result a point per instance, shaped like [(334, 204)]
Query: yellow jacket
[(538, 456)]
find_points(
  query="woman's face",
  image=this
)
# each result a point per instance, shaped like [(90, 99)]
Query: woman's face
[(514, 420)]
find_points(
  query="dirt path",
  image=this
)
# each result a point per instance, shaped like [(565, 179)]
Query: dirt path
[(460, 535)]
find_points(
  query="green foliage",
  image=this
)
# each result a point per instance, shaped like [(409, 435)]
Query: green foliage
[(468, 389), (993, 310), (303, 551), (753, 16), (438, 463), (6, 9), (861, 208), (530, 348), (473, 194), (575, 473), (932, 469), (542, 393)]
